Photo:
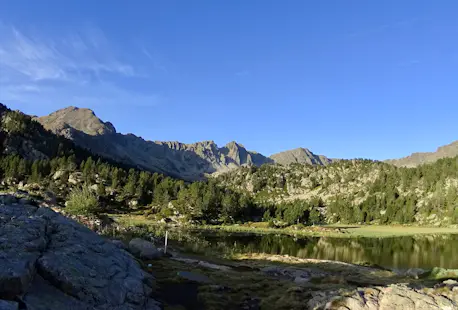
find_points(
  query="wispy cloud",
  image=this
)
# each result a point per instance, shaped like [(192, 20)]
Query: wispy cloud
[(56, 59), (155, 60), (83, 66)]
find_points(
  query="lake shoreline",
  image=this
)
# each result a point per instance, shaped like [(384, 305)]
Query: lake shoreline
[(334, 230), (209, 279), (395, 248), (283, 282)]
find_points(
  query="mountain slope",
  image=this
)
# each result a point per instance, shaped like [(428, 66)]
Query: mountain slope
[(187, 161), (416, 159), (300, 156), (353, 191), (20, 135)]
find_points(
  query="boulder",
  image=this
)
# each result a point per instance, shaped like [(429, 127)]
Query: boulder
[(32, 187), (119, 244), (52, 262), (50, 197), (415, 272), (75, 178), (133, 203), (58, 174), (144, 249), (450, 282)]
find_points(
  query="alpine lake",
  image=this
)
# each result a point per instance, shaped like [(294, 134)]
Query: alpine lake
[(396, 252)]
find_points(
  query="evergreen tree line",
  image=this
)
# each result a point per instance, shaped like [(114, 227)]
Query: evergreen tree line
[(397, 195), (385, 193)]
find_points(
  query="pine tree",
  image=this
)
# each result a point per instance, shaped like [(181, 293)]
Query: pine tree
[(71, 163), (130, 187), (142, 187), (315, 216), (35, 175), (115, 178), (22, 169), (88, 170), (101, 191)]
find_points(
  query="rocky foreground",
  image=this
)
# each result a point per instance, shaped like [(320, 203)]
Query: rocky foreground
[(48, 261)]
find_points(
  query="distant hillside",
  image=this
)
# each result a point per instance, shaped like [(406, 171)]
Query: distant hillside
[(300, 156), (353, 191), (187, 161), (450, 150)]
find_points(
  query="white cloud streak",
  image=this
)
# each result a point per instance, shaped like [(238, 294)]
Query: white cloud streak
[(80, 67), (44, 59)]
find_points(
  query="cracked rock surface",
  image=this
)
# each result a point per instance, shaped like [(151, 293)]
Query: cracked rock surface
[(48, 261), (392, 297)]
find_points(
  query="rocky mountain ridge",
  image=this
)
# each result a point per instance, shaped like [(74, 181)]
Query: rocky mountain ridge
[(188, 161), (419, 158)]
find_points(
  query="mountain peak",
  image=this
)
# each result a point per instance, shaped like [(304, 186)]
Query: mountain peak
[(81, 119), (234, 144), (302, 149), (300, 155), (189, 161)]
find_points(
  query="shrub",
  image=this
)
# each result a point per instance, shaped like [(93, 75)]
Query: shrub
[(271, 224), (266, 216), (82, 202)]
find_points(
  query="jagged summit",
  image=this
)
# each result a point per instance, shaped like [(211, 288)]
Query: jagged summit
[(188, 161)]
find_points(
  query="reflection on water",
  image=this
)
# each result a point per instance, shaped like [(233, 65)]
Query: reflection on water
[(394, 252)]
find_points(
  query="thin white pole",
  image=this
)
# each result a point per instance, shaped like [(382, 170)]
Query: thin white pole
[(165, 246)]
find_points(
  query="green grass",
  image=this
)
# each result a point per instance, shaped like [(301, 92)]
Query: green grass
[(343, 231), (376, 231), (392, 231)]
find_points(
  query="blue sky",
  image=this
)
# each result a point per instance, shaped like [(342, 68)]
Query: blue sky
[(373, 79)]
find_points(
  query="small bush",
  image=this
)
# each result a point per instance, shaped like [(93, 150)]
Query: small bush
[(271, 224), (82, 202), (266, 216), (166, 212)]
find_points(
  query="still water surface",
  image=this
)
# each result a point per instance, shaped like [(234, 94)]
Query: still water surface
[(421, 251)]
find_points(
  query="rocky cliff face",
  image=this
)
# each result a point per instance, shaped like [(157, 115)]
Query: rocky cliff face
[(51, 262), (187, 161), (301, 156), (416, 159)]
